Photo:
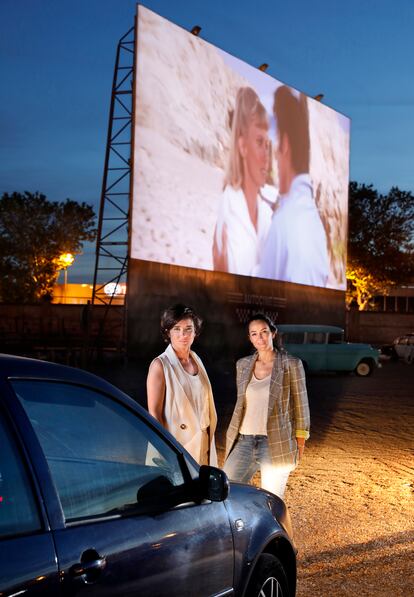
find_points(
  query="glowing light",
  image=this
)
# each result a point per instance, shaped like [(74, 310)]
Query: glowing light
[(113, 289), (65, 260)]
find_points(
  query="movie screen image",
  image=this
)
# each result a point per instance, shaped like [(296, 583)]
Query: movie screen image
[(233, 170)]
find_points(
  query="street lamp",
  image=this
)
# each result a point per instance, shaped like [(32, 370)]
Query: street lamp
[(64, 261)]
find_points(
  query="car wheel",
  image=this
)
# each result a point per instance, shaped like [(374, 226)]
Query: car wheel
[(364, 368), (268, 579)]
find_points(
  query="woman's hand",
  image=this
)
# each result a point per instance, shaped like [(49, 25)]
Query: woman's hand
[(301, 447), (220, 261)]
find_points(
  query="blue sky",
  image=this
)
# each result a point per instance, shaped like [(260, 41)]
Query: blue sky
[(56, 68)]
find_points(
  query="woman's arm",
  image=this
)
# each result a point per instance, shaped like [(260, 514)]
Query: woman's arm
[(299, 395), (156, 391), (220, 261)]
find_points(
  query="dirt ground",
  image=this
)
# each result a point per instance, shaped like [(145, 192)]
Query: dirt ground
[(352, 498)]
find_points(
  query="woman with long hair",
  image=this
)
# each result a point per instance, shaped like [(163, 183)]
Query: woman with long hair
[(243, 215), (271, 421)]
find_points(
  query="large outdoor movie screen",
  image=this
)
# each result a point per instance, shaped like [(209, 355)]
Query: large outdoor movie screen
[(233, 170)]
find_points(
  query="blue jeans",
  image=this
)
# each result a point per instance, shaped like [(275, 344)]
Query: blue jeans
[(251, 452)]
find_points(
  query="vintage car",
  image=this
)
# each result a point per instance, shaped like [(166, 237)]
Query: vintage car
[(322, 348), (404, 347), (96, 498)]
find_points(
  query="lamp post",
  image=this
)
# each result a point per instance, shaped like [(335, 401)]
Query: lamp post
[(64, 261)]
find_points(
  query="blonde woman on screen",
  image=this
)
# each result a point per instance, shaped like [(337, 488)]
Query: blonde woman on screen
[(244, 215)]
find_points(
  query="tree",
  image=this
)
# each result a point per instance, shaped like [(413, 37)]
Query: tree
[(381, 241), (363, 286), (34, 232)]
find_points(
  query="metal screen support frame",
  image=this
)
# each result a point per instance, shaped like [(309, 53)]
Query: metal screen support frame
[(111, 262)]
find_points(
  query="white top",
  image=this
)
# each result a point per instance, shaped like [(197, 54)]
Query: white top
[(199, 400), (244, 244), (296, 247), (256, 406)]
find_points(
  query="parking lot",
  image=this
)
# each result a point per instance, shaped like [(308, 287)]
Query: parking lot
[(352, 500)]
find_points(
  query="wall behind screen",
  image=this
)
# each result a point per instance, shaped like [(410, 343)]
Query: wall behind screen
[(224, 302)]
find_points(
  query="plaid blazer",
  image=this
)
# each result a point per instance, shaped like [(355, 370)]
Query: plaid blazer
[(288, 406)]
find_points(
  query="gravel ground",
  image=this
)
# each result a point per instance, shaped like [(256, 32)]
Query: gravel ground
[(352, 498)]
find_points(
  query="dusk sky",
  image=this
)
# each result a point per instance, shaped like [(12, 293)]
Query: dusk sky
[(57, 61)]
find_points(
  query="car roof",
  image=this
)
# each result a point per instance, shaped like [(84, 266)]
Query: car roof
[(303, 327), (407, 335), (17, 367)]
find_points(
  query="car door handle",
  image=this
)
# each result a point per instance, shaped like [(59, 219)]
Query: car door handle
[(87, 567)]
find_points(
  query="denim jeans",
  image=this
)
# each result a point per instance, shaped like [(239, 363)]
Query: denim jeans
[(250, 453)]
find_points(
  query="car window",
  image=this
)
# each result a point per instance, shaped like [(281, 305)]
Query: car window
[(335, 338), (18, 510), (103, 457), (316, 337), (293, 337)]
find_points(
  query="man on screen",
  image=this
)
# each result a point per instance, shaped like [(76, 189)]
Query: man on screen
[(296, 247)]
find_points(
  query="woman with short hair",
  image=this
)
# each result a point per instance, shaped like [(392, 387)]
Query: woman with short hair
[(271, 421), (178, 388)]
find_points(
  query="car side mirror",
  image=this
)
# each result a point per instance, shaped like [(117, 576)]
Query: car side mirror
[(213, 483)]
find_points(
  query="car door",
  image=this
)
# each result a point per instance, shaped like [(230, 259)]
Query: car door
[(115, 475), (341, 356), (315, 349), (27, 555)]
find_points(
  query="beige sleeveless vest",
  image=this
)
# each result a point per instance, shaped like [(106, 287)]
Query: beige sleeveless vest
[(180, 416)]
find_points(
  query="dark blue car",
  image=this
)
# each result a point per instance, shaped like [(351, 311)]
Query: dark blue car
[(97, 499)]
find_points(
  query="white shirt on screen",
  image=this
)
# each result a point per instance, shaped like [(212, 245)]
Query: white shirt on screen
[(244, 244), (296, 246)]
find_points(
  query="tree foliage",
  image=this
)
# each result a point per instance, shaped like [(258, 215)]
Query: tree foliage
[(380, 243), (363, 286), (34, 232)]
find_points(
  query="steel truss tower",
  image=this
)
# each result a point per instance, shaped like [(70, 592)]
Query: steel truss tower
[(112, 239)]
